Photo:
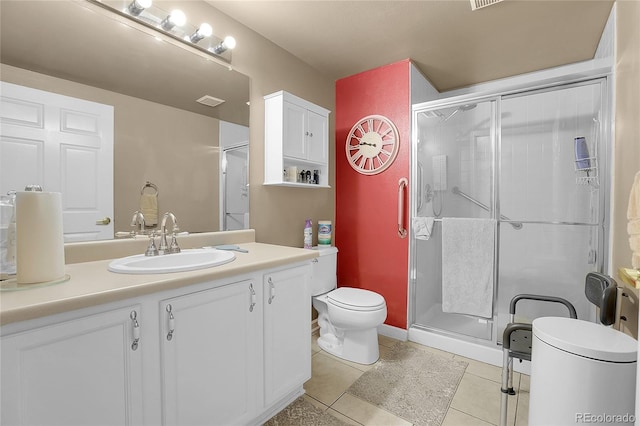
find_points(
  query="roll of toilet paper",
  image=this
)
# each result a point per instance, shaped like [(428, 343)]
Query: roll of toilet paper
[(39, 237)]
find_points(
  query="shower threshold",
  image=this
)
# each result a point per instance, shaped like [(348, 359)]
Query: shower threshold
[(466, 325)]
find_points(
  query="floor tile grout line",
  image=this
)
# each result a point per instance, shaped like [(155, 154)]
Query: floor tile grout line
[(470, 415), (341, 413), (368, 403)]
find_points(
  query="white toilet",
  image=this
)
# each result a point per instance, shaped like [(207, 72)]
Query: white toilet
[(348, 317)]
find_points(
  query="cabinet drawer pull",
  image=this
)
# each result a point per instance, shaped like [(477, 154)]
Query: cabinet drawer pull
[(136, 330), (172, 322), (252, 298), (272, 290)]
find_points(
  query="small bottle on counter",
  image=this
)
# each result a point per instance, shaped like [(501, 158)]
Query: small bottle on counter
[(308, 234)]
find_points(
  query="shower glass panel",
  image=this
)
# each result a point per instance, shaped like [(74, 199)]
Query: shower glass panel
[(455, 157), (235, 163), (553, 189), (534, 162)]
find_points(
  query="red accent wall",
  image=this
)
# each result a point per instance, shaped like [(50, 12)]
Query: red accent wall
[(371, 255)]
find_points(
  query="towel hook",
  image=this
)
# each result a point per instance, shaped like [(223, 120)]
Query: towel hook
[(149, 185)]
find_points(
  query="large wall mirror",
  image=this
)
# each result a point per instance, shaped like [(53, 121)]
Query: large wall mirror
[(161, 134)]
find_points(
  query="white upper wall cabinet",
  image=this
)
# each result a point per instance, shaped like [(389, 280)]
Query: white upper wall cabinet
[(296, 142)]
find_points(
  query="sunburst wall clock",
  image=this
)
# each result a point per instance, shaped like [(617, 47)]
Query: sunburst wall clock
[(372, 144)]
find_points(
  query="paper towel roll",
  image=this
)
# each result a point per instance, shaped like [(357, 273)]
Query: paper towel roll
[(39, 237)]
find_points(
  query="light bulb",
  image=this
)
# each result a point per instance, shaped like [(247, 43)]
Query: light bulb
[(228, 43), (136, 7), (177, 17), (205, 30)]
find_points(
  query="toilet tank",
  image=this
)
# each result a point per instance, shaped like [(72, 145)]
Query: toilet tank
[(324, 272)]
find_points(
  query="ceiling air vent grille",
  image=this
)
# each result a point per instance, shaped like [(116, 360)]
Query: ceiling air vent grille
[(210, 101), (478, 4)]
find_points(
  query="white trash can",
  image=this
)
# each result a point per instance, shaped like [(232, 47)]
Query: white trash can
[(581, 373)]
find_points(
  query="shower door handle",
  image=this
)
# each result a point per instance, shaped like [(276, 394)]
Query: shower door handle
[(402, 184)]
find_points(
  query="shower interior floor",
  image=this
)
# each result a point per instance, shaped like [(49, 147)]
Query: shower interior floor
[(455, 323)]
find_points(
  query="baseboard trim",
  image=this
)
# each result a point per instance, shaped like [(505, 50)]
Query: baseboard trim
[(314, 326), (393, 332)]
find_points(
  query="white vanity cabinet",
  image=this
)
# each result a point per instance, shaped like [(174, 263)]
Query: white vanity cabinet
[(296, 136), (287, 331), (83, 371), (230, 351), (211, 355)]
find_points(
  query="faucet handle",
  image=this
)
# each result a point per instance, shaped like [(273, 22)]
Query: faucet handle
[(151, 249), (173, 248)]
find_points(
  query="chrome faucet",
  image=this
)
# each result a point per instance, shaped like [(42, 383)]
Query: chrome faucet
[(138, 219), (164, 247)]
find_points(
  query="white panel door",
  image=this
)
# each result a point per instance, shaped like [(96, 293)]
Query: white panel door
[(65, 145), (294, 139), (318, 138)]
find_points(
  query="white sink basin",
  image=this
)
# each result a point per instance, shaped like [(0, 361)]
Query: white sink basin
[(186, 260)]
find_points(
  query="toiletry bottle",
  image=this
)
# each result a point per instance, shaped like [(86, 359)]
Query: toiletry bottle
[(581, 153), (308, 234), (8, 234)]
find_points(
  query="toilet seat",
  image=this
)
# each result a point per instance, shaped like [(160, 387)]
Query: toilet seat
[(356, 299)]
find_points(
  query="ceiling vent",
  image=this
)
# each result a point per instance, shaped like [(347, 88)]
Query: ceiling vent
[(479, 4), (210, 101)]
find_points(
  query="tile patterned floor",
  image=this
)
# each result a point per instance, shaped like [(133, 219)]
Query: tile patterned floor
[(476, 402)]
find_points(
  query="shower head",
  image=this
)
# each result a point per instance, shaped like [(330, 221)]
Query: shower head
[(465, 107)]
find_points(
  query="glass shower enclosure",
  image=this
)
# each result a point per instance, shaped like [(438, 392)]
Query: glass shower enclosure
[(530, 163)]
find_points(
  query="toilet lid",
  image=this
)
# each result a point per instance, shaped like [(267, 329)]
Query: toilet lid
[(586, 339), (356, 299)]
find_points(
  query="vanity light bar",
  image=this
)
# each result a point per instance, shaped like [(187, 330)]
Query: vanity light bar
[(172, 24)]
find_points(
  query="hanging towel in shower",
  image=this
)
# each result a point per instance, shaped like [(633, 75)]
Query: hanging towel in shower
[(422, 227), (467, 266), (633, 227), (149, 208), (633, 211)]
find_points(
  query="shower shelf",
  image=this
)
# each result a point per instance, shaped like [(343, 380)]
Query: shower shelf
[(587, 175)]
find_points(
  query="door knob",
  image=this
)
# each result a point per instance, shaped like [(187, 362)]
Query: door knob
[(105, 221)]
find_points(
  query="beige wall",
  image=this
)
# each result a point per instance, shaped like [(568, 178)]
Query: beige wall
[(277, 213), (149, 145), (627, 124)]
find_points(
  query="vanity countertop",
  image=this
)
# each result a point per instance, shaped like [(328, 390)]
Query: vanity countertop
[(92, 284)]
